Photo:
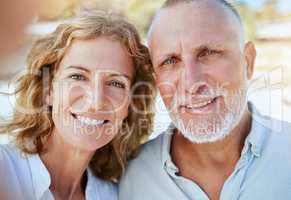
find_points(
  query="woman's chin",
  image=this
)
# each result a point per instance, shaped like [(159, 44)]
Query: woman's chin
[(89, 142)]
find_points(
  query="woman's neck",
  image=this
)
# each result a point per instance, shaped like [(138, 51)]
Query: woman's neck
[(66, 165)]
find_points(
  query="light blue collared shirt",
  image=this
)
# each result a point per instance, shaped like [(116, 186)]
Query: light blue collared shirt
[(25, 177), (263, 171)]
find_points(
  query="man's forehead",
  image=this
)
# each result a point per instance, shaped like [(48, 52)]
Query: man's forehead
[(190, 18), (193, 31)]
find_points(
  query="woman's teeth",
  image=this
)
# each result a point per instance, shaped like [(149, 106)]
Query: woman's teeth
[(89, 121)]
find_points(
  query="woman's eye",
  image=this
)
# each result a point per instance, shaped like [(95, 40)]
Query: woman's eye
[(78, 77), (170, 61), (116, 84)]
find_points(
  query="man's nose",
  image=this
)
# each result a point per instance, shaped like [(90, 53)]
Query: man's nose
[(192, 74)]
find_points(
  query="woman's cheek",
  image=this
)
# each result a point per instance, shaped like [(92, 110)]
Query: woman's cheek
[(77, 99), (119, 99)]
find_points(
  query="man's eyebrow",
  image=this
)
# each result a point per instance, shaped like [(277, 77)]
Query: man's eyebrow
[(208, 46), (161, 57), (79, 68)]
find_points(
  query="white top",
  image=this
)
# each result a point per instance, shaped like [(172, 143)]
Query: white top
[(25, 177)]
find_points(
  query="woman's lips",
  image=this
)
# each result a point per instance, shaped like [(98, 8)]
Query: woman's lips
[(89, 120)]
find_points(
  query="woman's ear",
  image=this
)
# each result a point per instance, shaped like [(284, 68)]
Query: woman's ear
[(49, 96), (250, 56), (48, 100), (48, 85)]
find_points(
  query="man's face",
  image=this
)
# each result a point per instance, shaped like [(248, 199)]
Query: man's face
[(202, 68)]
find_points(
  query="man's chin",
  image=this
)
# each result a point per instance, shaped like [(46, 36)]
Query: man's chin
[(209, 133), (204, 138)]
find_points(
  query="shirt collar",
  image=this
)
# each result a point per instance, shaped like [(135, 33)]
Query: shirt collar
[(258, 131), (255, 140), (166, 145)]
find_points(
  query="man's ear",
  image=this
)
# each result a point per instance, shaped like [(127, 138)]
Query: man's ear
[(250, 57)]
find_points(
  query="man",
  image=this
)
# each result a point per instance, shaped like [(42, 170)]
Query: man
[(219, 146)]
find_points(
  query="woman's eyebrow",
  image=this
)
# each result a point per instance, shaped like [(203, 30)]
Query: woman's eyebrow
[(120, 75), (88, 71), (79, 68)]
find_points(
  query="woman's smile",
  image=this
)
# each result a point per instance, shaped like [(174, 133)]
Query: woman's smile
[(90, 121)]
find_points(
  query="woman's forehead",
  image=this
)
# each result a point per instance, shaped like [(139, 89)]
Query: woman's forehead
[(98, 54)]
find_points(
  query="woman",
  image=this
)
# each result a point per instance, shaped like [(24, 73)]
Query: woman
[(82, 110)]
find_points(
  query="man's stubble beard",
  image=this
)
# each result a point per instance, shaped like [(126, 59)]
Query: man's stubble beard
[(215, 126)]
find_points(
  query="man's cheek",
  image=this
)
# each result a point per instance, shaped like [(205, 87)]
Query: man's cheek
[(166, 88)]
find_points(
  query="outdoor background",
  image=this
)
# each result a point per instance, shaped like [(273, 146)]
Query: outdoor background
[(267, 23)]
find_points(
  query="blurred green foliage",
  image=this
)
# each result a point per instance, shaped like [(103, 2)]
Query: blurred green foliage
[(141, 12)]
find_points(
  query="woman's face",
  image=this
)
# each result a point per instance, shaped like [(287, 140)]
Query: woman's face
[(90, 93)]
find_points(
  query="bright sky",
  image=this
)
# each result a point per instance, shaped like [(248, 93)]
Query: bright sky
[(284, 5)]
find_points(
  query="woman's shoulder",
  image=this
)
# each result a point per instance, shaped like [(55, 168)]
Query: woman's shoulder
[(15, 162), (12, 160), (9, 152), (13, 170), (17, 169)]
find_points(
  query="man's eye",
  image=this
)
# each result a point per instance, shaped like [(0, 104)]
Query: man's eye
[(78, 77), (207, 52), (117, 84), (170, 61)]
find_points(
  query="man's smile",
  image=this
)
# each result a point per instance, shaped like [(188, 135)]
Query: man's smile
[(201, 106)]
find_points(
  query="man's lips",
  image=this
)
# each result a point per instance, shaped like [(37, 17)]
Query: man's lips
[(200, 104)]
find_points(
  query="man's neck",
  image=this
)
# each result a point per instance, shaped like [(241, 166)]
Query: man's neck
[(209, 165), (222, 152)]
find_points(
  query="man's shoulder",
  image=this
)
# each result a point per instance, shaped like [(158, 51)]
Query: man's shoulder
[(270, 124), (150, 152), (147, 162), (279, 129), (94, 183), (278, 140), (145, 176), (281, 132)]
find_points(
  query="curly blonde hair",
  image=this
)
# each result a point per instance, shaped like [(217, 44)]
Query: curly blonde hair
[(32, 130)]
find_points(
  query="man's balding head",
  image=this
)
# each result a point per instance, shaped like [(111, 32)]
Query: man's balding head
[(226, 4), (214, 10)]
